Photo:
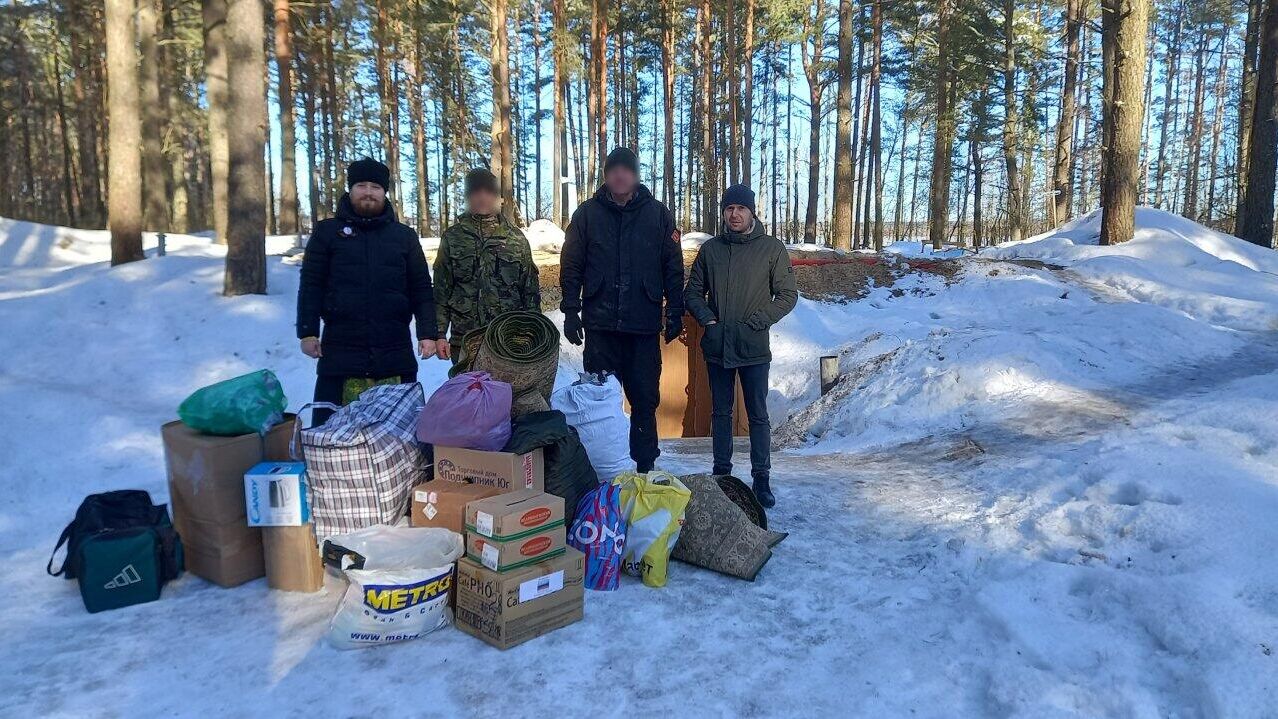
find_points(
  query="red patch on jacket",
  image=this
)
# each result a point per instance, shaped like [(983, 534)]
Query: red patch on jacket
[(676, 236)]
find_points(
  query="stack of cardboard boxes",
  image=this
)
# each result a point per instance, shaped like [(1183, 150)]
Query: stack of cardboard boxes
[(227, 537), (518, 579)]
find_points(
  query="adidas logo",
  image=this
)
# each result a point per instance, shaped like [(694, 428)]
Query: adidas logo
[(127, 576)]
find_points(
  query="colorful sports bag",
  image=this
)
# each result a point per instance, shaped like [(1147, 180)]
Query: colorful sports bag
[(599, 531)]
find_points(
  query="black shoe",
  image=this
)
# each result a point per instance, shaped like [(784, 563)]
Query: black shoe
[(764, 494)]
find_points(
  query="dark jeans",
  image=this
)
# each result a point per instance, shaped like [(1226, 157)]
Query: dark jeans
[(636, 360), (754, 386), (329, 388)]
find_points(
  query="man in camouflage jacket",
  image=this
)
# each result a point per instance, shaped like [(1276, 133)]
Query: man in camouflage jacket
[(484, 267)]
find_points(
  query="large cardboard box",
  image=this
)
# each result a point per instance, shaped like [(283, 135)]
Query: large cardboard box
[(509, 608), (206, 494), (275, 495), (514, 529), (292, 559), (503, 470), (443, 504)]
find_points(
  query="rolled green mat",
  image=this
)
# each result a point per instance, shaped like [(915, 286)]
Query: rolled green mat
[(521, 348), (469, 347)]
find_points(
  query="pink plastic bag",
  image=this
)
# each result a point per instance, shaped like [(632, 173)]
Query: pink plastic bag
[(470, 411)]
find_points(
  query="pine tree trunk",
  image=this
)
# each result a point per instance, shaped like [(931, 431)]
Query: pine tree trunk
[(814, 28), (1247, 100), (668, 101), (939, 195), (876, 122), (1169, 107), (246, 134), (1189, 208), (503, 161), (417, 125), (288, 141), (155, 193), (124, 165), (1217, 126), (599, 65), (1123, 24), (215, 89), (709, 167), (733, 94), (536, 23), (1256, 221), (560, 51), (1063, 166), (747, 100), (1011, 122), (841, 221)]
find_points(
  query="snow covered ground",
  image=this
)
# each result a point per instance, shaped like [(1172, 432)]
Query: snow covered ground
[(1037, 492)]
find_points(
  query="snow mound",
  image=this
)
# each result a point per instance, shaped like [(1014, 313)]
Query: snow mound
[(544, 236), (1171, 262), (694, 240)]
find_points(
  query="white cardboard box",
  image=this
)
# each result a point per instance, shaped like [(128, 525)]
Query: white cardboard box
[(275, 495)]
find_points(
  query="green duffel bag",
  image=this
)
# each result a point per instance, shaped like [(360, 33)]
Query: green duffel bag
[(121, 548)]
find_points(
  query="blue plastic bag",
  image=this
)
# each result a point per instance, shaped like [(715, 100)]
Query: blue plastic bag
[(599, 531)]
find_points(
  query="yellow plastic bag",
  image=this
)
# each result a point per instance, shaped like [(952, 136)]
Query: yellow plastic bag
[(653, 504)]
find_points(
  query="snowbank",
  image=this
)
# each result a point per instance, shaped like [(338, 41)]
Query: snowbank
[(544, 236), (1171, 262)]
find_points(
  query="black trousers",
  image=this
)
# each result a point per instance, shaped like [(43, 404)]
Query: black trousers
[(636, 360), (723, 392), (328, 388)]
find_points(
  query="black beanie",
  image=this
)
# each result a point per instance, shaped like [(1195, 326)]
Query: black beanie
[(481, 179), (368, 170), (622, 157), (738, 195)]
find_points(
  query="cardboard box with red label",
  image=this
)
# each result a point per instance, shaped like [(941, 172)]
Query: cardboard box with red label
[(514, 529), (504, 471)]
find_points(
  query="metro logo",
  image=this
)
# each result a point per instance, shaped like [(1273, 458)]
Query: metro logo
[(535, 546), (535, 517), (398, 597)]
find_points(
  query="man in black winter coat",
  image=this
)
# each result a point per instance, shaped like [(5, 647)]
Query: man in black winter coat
[(364, 275), (621, 257)]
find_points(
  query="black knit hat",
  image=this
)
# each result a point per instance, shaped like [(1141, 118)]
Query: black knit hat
[(481, 179), (368, 170), (622, 157), (738, 195)]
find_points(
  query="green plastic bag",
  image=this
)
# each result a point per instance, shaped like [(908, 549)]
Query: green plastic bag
[(250, 403), (653, 504)]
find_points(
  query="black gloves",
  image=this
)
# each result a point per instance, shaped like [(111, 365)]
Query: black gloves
[(572, 328), (674, 327)]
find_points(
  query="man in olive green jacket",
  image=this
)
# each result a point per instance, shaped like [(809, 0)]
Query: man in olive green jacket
[(484, 267), (741, 284)]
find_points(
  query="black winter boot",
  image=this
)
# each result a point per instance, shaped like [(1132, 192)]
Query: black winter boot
[(763, 492)]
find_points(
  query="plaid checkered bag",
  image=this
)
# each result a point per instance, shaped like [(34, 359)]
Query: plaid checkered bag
[(362, 463)]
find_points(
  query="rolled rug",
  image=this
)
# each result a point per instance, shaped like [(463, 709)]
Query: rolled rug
[(521, 348)]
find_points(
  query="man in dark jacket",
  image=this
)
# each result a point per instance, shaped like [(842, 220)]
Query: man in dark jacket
[(484, 267), (365, 276), (741, 284), (621, 257)]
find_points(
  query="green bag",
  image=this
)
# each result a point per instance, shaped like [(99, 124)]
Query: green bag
[(253, 402), (121, 548)]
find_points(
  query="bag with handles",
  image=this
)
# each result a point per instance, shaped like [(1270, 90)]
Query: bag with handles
[(362, 463), (121, 547)]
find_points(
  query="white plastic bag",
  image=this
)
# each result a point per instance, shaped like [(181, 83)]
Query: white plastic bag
[(400, 590), (594, 410)]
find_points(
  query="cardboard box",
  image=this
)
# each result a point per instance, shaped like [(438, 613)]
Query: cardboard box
[(514, 514), (275, 495), (503, 470), (514, 529), (509, 608), (443, 504), (206, 494), (292, 559)]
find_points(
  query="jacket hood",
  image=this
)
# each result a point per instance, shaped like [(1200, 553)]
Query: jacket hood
[(740, 238), (346, 212), (641, 198)]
